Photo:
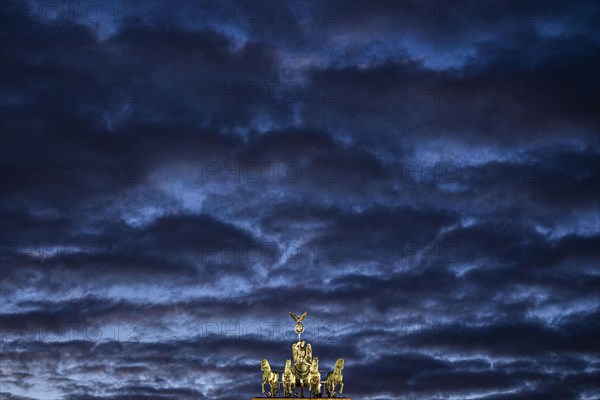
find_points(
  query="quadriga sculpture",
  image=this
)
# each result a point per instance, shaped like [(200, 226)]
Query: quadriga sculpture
[(270, 377), (302, 370)]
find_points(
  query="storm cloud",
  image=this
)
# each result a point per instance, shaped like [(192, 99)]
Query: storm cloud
[(422, 177)]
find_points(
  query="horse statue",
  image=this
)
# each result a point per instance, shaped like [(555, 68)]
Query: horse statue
[(289, 380), (335, 378), (270, 377), (314, 378)]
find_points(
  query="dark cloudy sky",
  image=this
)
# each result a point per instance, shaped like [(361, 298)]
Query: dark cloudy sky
[(422, 177)]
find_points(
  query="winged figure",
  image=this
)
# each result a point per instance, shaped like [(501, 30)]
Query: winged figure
[(300, 318)]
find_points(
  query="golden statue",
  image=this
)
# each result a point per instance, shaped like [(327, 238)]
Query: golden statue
[(302, 356), (335, 378), (298, 328), (289, 380), (270, 377), (302, 371), (314, 378)]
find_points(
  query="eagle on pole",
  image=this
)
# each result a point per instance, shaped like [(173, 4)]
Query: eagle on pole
[(300, 318)]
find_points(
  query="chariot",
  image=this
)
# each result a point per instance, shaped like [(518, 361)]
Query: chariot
[(302, 371)]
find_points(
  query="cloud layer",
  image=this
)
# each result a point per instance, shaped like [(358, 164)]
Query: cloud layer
[(422, 177)]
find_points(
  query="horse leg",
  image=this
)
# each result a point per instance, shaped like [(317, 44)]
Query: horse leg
[(341, 387)]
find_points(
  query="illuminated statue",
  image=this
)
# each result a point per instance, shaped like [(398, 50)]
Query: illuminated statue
[(289, 380), (270, 377), (335, 378), (298, 328), (302, 356), (302, 370), (314, 378)]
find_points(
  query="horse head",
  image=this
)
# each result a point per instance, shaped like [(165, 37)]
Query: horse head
[(264, 365), (314, 367)]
